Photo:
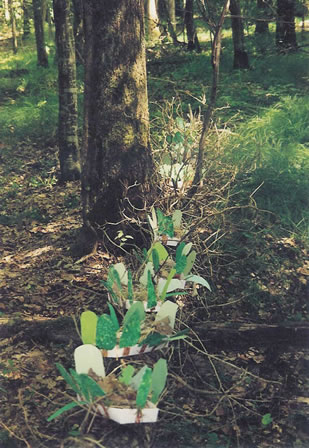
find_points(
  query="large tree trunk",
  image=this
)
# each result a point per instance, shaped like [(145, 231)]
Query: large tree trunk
[(285, 26), (68, 114), (26, 19), (193, 43), (241, 59), (261, 26), (39, 32), (13, 27), (118, 161)]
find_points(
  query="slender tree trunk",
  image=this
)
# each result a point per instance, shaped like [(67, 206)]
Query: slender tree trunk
[(216, 54), (79, 30), (261, 26), (116, 149), (193, 43), (171, 18), (68, 114), (6, 10), (152, 20), (39, 32), (26, 20), (241, 59), (13, 26), (285, 26)]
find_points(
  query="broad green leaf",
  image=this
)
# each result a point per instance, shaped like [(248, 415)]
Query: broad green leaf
[(165, 224), (177, 217), (131, 331), (144, 277), (180, 122), (88, 357), (168, 309), (151, 293), (162, 252), (136, 380), (126, 375), (67, 377), (116, 278), (190, 262), (78, 379), (130, 287), (106, 333), (88, 324), (122, 272), (179, 250), (90, 388), (144, 389), (178, 137), (113, 316), (155, 259), (65, 408), (136, 309), (180, 335), (198, 281), (174, 284), (187, 248), (159, 375)]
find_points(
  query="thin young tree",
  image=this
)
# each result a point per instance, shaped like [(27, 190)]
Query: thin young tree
[(69, 156), (241, 59), (13, 26), (193, 42), (118, 162), (38, 10)]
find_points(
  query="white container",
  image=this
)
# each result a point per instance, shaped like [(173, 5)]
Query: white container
[(126, 416), (118, 352)]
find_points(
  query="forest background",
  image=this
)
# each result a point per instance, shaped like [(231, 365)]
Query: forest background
[(240, 379)]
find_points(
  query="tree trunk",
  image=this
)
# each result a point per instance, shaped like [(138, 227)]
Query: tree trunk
[(261, 26), (39, 32), (193, 43), (78, 24), (26, 20), (13, 26), (241, 59), (171, 19), (285, 26), (68, 114), (152, 20), (118, 162)]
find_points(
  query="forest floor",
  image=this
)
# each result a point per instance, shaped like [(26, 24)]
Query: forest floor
[(225, 389)]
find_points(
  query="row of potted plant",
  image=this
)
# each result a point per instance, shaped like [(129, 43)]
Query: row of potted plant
[(147, 325)]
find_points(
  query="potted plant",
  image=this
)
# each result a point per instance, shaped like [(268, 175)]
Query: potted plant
[(167, 229), (130, 397), (138, 333)]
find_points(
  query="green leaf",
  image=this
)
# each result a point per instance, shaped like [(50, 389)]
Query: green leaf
[(113, 316), (90, 388), (165, 224), (153, 339), (266, 419), (198, 281), (144, 388), (131, 331), (88, 324), (106, 333), (130, 287), (169, 139), (162, 252), (159, 375), (155, 259), (65, 408), (126, 375), (136, 309), (177, 217), (67, 377), (168, 280), (178, 137), (190, 262), (180, 122), (116, 278), (179, 250), (180, 335), (187, 248), (136, 380), (151, 292)]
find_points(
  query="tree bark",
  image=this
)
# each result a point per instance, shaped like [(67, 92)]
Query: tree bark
[(171, 19), (193, 43), (285, 26), (241, 59), (78, 25), (13, 27), (68, 114), (26, 18), (118, 162), (39, 32)]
